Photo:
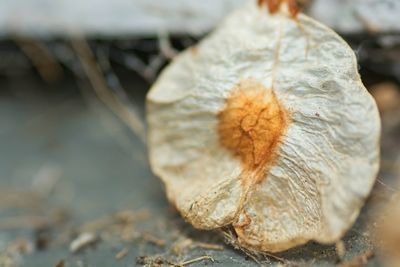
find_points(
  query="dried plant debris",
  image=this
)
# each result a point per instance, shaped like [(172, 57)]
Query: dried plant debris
[(120, 225), (99, 84), (40, 56), (155, 260), (60, 263), (160, 260), (122, 253), (265, 126), (150, 238), (184, 244), (198, 259), (11, 256), (82, 241)]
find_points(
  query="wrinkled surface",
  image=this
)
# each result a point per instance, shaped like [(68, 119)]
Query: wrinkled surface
[(327, 161)]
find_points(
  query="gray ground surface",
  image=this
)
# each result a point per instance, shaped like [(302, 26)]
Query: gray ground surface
[(103, 169)]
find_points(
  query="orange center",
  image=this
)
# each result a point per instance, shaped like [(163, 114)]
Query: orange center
[(252, 124)]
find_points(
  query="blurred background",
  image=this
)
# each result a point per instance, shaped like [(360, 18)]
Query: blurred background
[(75, 184)]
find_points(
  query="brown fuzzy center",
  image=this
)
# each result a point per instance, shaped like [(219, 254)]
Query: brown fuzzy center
[(251, 125)]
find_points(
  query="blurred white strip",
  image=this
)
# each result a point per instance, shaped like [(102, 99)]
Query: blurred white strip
[(354, 16), (111, 17), (136, 18)]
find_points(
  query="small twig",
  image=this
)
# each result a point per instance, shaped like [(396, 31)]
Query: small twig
[(188, 262), (113, 81), (165, 45), (254, 258), (42, 59), (208, 246), (122, 253), (154, 240), (82, 241), (101, 89), (153, 67), (132, 62), (277, 258), (181, 245), (387, 186)]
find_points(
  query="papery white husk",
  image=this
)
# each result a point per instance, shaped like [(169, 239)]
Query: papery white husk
[(329, 157)]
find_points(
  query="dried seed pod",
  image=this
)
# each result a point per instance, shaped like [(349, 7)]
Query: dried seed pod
[(265, 126)]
